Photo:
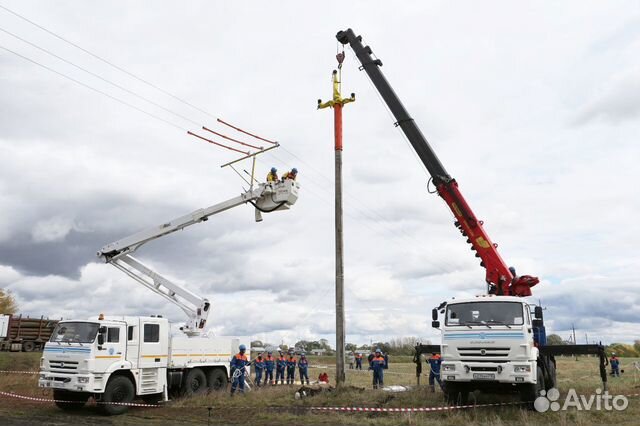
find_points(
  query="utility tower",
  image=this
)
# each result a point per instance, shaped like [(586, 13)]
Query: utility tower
[(336, 103)]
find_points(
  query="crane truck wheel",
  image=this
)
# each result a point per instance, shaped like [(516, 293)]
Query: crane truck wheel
[(217, 379), (194, 383), (551, 381), (456, 394), (69, 401), (530, 391), (118, 390)]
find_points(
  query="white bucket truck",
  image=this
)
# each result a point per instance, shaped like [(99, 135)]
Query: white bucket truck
[(116, 359)]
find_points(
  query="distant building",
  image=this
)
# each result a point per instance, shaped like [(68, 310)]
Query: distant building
[(318, 352)]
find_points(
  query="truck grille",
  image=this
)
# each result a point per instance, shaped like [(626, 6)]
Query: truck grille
[(64, 366), (479, 354)]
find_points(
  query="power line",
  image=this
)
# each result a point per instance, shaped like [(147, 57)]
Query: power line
[(105, 61), (99, 77), (94, 89)]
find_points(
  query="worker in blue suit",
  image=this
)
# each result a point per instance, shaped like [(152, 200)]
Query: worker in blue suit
[(615, 365), (378, 364), (291, 367), (434, 362), (281, 365), (269, 363), (238, 363), (303, 368), (259, 365)]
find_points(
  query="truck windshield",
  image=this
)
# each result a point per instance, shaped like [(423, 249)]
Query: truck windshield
[(485, 313), (78, 332)]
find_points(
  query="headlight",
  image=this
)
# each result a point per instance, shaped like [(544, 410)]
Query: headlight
[(448, 367), (522, 369), (83, 380)]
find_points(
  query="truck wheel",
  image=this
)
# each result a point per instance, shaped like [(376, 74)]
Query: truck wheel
[(217, 379), (69, 401), (530, 391), (551, 381), (194, 383), (118, 390), (28, 346), (456, 394)]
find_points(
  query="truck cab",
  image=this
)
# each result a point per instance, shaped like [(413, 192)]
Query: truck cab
[(490, 343), (81, 355)]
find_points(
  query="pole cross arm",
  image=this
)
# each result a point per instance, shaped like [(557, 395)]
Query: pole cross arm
[(337, 96)]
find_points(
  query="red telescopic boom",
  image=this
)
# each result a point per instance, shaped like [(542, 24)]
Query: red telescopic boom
[(498, 276)]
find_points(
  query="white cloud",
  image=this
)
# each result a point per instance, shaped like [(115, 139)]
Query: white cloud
[(53, 229)]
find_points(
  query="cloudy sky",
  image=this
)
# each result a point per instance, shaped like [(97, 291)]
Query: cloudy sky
[(534, 109)]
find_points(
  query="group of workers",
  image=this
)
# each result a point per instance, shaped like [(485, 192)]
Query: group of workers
[(272, 177), (265, 365), (355, 358)]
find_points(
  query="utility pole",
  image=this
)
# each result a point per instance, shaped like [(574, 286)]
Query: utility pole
[(336, 103)]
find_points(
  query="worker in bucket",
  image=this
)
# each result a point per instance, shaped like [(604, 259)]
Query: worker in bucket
[(291, 367), (378, 364), (238, 362), (303, 368), (615, 365), (434, 362), (269, 363), (281, 365), (290, 175), (259, 365), (272, 177)]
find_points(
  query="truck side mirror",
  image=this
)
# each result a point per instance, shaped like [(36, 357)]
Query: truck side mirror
[(101, 332), (435, 324), (434, 314), (537, 312)]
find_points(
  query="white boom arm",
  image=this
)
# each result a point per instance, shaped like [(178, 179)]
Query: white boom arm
[(265, 198)]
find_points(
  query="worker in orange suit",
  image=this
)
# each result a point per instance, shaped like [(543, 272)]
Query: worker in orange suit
[(290, 175)]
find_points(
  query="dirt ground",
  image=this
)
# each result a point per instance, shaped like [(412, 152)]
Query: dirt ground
[(277, 405)]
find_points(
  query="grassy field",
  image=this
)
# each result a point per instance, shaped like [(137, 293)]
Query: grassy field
[(277, 405)]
